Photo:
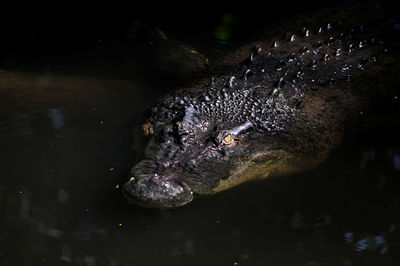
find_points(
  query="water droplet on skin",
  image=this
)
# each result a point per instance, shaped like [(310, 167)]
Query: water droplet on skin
[(291, 57), (345, 68), (280, 82), (245, 74), (232, 79), (258, 49), (276, 44), (320, 30), (251, 57), (212, 81), (304, 50), (328, 27), (293, 38), (314, 64), (338, 52), (330, 40), (307, 33), (361, 44)]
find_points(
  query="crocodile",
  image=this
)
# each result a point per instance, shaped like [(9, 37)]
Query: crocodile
[(279, 111)]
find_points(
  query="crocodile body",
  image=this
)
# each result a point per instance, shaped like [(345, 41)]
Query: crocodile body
[(280, 111)]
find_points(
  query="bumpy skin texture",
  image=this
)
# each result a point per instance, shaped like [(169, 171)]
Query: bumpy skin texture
[(280, 111)]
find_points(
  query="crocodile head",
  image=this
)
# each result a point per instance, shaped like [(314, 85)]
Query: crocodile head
[(186, 156), (204, 143)]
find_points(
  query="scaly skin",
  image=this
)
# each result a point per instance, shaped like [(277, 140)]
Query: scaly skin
[(279, 112)]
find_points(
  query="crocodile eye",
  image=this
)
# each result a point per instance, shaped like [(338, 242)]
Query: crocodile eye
[(227, 139)]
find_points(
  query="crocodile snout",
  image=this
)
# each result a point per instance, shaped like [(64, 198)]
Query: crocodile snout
[(157, 191)]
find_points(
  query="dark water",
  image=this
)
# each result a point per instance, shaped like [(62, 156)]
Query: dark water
[(67, 107)]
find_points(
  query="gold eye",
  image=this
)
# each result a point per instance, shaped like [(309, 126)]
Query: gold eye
[(227, 139)]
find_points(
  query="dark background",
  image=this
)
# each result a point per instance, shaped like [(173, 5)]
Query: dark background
[(37, 29)]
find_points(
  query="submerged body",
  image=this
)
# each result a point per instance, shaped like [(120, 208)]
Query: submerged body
[(279, 112)]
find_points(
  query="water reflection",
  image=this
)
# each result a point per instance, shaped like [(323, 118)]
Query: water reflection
[(56, 117), (60, 197), (223, 32)]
